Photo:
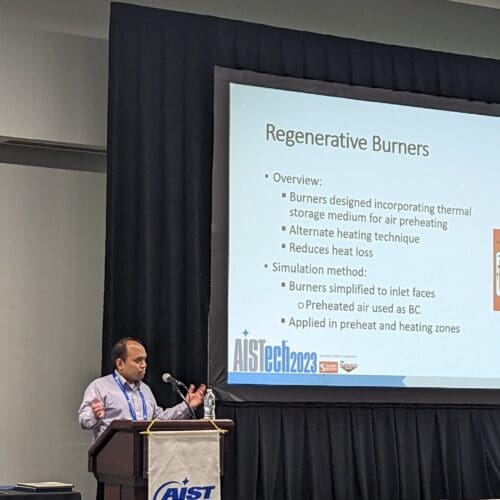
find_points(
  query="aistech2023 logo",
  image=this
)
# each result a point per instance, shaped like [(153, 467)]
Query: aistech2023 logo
[(179, 490), (257, 356)]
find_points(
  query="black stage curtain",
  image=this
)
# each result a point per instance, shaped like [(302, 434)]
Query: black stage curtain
[(157, 281), (372, 452)]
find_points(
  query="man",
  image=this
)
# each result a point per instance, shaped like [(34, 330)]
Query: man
[(123, 396)]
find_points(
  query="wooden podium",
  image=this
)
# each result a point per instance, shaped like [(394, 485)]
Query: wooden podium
[(119, 457)]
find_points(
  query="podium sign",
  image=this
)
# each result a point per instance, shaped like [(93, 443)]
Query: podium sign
[(184, 465), (120, 459)]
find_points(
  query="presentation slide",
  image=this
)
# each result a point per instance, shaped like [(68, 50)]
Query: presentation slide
[(363, 243)]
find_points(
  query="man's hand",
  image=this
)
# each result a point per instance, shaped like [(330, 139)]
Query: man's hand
[(98, 408), (195, 396)]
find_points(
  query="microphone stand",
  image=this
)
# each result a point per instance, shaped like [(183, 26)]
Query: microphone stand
[(179, 392)]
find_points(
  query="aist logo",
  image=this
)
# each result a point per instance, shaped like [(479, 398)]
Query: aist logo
[(255, 355), (175, 490)]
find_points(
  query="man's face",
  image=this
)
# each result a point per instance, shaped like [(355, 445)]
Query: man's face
[(133, 368)]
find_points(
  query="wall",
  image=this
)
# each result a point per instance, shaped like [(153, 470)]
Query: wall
[(53, 87), (51, 289)]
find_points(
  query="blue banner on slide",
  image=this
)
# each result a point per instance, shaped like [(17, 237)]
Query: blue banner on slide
[(315, 380)]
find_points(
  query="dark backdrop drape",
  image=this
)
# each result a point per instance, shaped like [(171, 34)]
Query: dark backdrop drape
[(157, 283)]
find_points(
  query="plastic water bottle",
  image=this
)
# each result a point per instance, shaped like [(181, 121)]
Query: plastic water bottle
[(209, 405)]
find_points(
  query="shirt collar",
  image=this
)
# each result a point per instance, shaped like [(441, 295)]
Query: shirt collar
[(125, 383)]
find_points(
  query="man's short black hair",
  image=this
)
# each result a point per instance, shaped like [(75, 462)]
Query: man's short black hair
[(119, 350)]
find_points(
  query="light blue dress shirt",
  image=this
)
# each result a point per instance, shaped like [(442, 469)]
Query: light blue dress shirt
[(116, 407)]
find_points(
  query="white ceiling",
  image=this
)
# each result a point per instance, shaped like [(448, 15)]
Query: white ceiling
[(91, 17), (76, 17), (460, 26), (492, 4)]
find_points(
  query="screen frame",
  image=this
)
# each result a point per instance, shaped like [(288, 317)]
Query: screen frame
[(217, 327)]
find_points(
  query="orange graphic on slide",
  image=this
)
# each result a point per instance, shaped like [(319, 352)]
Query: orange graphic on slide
[(496, 269), (328, 367)]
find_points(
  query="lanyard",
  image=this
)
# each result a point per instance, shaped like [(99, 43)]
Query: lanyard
[(130, 405)]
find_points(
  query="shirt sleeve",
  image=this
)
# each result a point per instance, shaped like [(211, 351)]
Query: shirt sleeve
[(177, 412), (86, 415)]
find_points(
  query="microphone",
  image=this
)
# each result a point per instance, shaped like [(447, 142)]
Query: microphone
[(169, 379)]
